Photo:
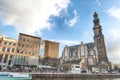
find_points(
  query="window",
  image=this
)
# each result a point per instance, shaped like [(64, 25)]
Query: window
[(34, 42), (8, 49), (5, 43), (13, 50), (22, 45), (38, 42), (20, 38), (9, 44), (30, 45), (1, 55), (5, 59), (26, 45), (28, 40), (14, 44), (24, 39), (11, 56), (91, 53), (18, 50), (31, 41), (9, 62), (100, 41), (19, 44), (3, 49)]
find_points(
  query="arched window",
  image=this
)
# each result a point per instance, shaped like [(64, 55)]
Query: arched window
[(100, 41)]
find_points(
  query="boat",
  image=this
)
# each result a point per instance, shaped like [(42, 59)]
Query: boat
[(15, 76)]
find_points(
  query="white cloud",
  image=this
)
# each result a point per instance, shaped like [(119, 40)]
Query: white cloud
[(98, 2), (72, 21), (113, 45), (29, 16), (67, 42), (114, 12)]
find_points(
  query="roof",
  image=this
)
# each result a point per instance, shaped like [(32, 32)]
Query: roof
[(51, 41), (75, 47), (72, 48), (8, 38), (90, 45), (29, 35)]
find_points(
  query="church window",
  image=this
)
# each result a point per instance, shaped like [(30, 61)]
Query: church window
[(76, 53), (97, 41), (100, 40)]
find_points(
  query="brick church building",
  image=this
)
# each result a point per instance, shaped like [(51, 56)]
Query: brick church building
[(93, 55)]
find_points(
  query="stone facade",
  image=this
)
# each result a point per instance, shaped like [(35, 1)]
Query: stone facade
[(75, 54), (7, 51)]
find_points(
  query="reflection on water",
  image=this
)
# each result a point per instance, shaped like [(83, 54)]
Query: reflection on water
[(76, 79)]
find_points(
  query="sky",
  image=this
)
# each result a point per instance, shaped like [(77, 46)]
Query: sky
[(65, 21)]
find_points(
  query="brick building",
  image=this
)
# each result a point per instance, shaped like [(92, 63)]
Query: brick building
[(94, 53), (28, 50)]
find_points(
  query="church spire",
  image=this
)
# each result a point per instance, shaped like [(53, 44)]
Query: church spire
[(96, 20), (99, 40), (97, 27)]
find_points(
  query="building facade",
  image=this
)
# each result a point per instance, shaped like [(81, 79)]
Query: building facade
[(92, 55), (50, 52), (100, 43), (28, 50), (51, 49), (7, 51)]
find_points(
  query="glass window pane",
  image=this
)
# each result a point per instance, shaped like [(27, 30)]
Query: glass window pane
[(22, 45), (5, 43), (13, 50), (24, 39), (14, 44), (5, 59), (8, 49), (3, 49), (1, 56), (20, 38), (9, 44), (19, 44)]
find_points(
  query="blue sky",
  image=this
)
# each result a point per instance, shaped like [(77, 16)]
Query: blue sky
[(66, 21)]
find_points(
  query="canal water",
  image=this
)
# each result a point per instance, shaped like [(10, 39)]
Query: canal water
[(22, 76), (77, 79), (59, 79)]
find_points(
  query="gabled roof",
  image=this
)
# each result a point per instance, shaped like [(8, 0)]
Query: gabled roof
[(90, 45), (75, 47)]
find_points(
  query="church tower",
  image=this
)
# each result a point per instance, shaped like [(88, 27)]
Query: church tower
[(99, 40)]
